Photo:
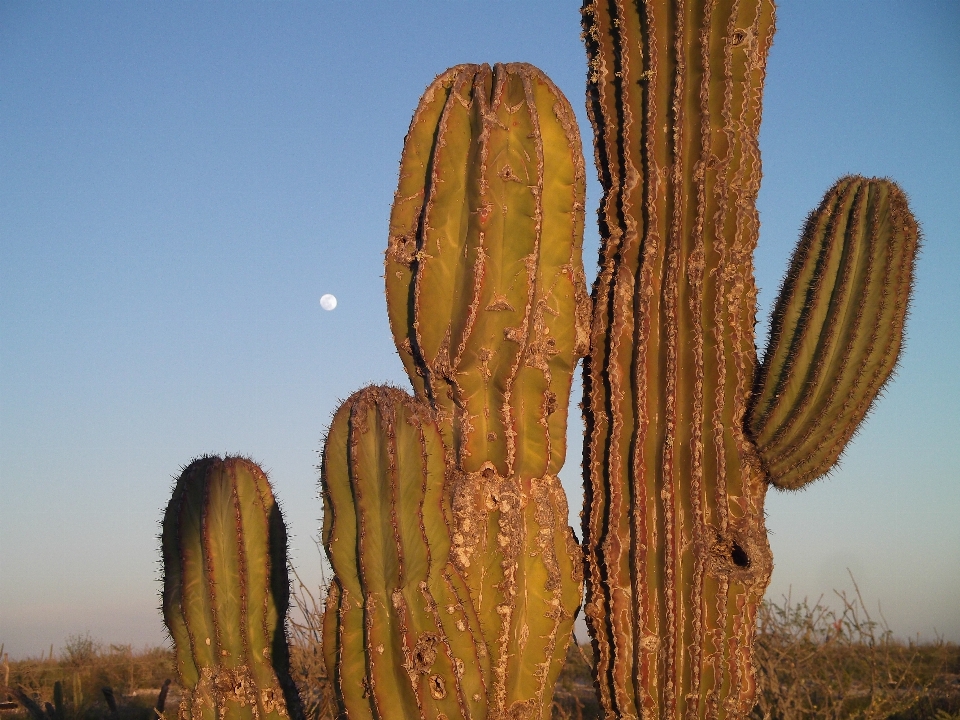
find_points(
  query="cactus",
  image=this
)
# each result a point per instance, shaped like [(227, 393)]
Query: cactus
[(225, 593), (836, 329), (683, 432), (401, 638), (488, 306)]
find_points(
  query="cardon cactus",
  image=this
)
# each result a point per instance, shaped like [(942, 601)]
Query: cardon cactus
[(401, 638), (225, 593), (684, 432), (488, 306), (489, 310)]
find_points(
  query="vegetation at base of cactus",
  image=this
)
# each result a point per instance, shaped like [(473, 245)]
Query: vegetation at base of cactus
[(225, 593), (836, 330), (488, 307), (677, 553), (401, 638)]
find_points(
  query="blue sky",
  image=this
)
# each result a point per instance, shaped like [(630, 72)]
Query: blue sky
[(180, 183)]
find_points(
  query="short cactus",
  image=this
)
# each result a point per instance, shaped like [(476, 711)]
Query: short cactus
[(225, 593), (683, 432), (489, 310), (401, 638)]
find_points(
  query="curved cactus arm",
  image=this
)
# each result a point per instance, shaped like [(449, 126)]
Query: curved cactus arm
[(226, 592), (673, 527), (386, 534), (836, 329), (489, 311)]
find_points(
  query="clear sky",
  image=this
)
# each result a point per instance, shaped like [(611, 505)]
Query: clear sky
[(180, 183)]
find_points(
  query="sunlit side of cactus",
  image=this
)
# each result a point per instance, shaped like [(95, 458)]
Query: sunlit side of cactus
[(489, 311), (678, 558), (401, 638), (225, 593)]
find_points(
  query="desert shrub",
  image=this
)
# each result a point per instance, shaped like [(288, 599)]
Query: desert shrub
[(85, 666), (816, 662), (812, 662), (305, 632)]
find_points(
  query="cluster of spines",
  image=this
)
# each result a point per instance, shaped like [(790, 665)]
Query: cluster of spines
[(837, 328), (225, 592), (401, 638), (488, 306), (674, 532)]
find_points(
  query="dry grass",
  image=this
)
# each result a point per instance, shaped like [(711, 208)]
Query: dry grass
[(306, 655), (83, 669), (812, 662), (816, 662)]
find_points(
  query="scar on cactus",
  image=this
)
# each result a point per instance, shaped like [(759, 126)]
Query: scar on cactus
[(226, 592), (684, 433)]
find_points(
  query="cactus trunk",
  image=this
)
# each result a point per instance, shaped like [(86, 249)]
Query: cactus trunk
[(677, 552), (225, 593)]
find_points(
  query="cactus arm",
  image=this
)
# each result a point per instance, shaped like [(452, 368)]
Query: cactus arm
[(673, 487), (837, 328), (438, 144)]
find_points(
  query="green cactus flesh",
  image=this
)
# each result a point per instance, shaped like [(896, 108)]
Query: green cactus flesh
[(488, 306), (677, 552), (225, 592), (401, 639), (836, 330)]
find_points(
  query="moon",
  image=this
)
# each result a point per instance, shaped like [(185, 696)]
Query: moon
[(328, 302)]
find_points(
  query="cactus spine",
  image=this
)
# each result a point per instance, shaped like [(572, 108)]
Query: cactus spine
[(225, 592), (677, 553), (489, 311), (401, 638)]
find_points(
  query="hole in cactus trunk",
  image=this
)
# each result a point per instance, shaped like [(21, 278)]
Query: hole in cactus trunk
[(739, 556)]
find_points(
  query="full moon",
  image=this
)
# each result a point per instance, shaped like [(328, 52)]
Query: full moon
[(328, 302)]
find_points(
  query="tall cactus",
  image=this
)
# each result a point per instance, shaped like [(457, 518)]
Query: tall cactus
[(225, 593), (676, 470), (489, 311)]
